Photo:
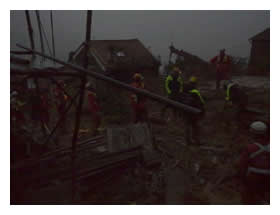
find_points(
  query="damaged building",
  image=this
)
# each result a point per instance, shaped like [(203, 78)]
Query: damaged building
[(259, 63), (119, 59)]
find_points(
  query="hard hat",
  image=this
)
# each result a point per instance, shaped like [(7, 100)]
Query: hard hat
[(14, 93), (193, 79), (258, 127), (138, 76)]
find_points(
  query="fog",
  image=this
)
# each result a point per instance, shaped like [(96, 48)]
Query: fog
[(202, 33)]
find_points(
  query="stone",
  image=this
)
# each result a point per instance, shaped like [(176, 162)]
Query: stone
[(123, 138)]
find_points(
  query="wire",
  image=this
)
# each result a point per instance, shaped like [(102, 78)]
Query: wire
[(53, 45)]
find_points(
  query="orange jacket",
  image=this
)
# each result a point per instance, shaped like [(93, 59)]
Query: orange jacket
[(136, 99)]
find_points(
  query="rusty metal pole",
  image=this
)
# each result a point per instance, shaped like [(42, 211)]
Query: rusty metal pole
[(30, 30), (80, 105)]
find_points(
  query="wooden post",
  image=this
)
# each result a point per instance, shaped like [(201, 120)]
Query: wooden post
[(30, 30), (80, 105)]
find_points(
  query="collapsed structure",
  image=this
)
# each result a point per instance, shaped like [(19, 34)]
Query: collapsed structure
[(259, 63), (129, 151)]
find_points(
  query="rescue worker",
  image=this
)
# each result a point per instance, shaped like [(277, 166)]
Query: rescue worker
[(94, 108), (174, 88), (60, 101), (235, 97), (138, 102), (222, 62), (194, 99), (255, 166)]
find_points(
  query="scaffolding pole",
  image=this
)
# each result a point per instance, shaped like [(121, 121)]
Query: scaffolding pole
[(80, 105)]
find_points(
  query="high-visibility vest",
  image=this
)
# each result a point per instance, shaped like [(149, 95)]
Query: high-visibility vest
[(198, 94), (169, 79), (228, 91), (262, 149)]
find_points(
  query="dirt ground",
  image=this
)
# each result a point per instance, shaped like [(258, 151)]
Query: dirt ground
[(221, 144)]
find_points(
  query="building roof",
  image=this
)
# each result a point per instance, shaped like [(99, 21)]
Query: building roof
[(110, 53), (191, 59), (264, 35)]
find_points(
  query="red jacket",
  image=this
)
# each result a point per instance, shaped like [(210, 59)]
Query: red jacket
[(222, 64), (255, 160), (136, 99), (94, 106)]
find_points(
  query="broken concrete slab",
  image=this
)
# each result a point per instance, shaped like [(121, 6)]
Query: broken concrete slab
[(122, 138)]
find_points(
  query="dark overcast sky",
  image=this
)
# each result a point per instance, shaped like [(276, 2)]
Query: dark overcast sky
[(201, 33)]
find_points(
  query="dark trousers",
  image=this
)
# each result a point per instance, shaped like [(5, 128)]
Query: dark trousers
[(176, 98)]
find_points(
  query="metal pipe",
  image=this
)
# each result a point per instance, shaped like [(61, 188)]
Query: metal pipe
[(80, 105), (30, 30), (20, 52), (120, 84)]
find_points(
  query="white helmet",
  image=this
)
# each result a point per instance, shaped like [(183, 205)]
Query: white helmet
[(258, 127), (88, 84), (14, 93)]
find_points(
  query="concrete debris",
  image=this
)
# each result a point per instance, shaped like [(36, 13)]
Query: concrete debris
[(196, 167), (121, 138), (101, 149)]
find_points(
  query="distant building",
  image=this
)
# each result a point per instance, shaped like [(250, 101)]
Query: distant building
[(119, 59), (188, 63), (259, 62)]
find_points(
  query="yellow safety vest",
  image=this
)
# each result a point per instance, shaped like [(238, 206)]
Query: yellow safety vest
[(228, 91), (170, 78), (197, 93)]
